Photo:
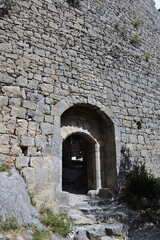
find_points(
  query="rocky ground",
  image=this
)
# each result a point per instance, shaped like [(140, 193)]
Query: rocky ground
[(103, 219), (94, 218)]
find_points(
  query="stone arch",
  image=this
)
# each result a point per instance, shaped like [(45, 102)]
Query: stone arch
[(86, 120), (106, 115), (68, 102)]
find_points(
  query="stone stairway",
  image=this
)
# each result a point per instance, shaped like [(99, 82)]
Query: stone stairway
[(99, 218)]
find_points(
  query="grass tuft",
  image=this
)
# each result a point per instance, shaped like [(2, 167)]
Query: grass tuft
[(135, 40), (5, 168), (9, 224), (59, 223), (41, 235)]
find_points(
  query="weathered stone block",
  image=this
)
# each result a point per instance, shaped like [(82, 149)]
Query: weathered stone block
[(40, 140), (144, 153), (4, 139), (117, 228), (5, 46), (52, 7), (21, 81), (18, 112), (14, 140), (2, 158), (32, 151), (38, 117), (15, 102), (27, 141), (10, 160), (47, 151), (105, 193), (47, 128), (141, 139), (4, 149), (3, 101), (133, 138), (92, 193), (22, 64), (29, 174), (12, 91), (6, 79), (22, 123), (49, 119), (125, 138), (41, 175), (22, 161), (37, 162), (29, 104), (21, 131), (81, 235), (39, 52), (109, 238), (16, 151), (95, 233), (47, 88), (33, 126)]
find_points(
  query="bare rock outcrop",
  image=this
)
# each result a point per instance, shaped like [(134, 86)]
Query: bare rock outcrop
[(15, 201)]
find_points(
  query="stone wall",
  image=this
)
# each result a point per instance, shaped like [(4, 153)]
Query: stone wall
[(100, 53)]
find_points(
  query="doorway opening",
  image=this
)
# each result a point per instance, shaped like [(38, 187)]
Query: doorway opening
[(88, 150), (77, 164)]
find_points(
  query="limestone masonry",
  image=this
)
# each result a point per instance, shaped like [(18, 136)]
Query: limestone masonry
[(79, 75)]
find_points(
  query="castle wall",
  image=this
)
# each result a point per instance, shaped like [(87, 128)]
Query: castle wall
[(101, 53)]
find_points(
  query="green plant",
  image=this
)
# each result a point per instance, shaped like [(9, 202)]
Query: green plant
[(5, 168), (73, 3), (123, 30), (31, 195), (9, 224), (6, 7), (117, 26), (147, 57), (138, 56), (59, 223), (100, 8), (137, 23), (135, 40), (41, 235), (141, 184), (120, 29)]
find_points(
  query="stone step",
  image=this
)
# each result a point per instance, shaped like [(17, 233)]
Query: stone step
[(97, 231), (99, 202), (107, 217), (99, 210), (80, 205), (102, 219)]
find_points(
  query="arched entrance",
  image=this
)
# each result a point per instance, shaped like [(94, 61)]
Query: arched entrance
[(88, 143), (78, 164)]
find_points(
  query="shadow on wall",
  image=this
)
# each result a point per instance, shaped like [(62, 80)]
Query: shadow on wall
[(125, 166), (125, 163)]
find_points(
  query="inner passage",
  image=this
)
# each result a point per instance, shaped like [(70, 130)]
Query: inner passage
[(75, 158)]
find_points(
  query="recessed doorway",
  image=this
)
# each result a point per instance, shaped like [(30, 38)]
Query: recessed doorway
[(88, 150), (78, 164)]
